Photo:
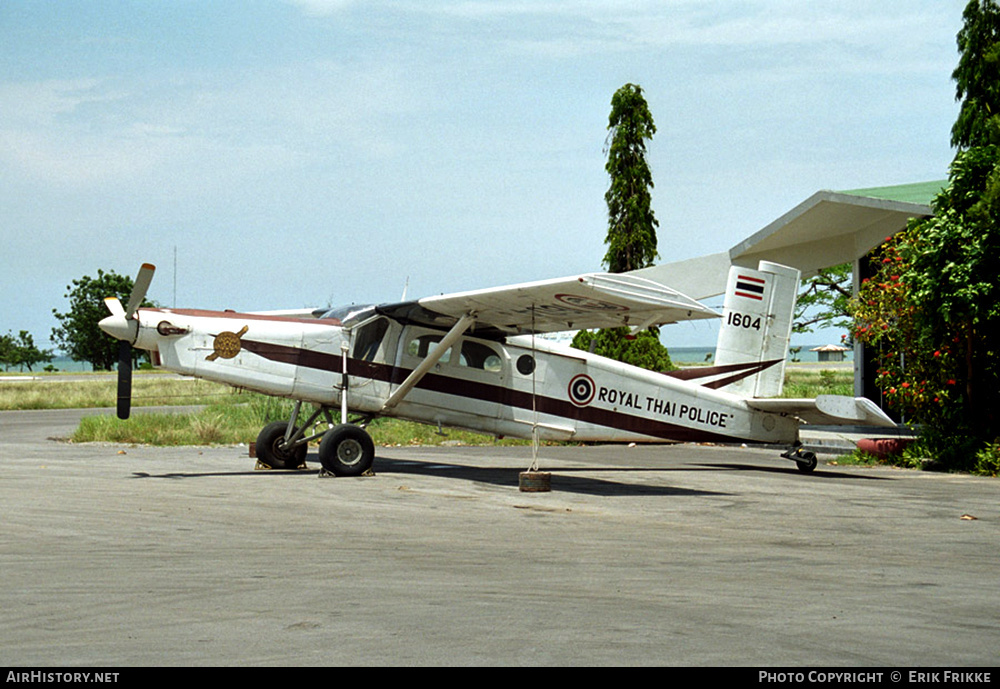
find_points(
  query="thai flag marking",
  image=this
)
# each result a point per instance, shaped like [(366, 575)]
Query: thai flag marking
[(750, 287)]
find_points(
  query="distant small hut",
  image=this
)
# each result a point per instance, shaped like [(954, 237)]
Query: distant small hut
[(830, 352)]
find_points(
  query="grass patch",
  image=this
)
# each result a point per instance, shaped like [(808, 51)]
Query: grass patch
[(203, 428), (907, 459), (397, 432), (231, 424), (858, 458), (147, 391), (802, 382), (238, 419)]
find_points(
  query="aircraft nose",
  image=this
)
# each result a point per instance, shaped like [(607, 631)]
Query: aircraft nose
[(116, 326)]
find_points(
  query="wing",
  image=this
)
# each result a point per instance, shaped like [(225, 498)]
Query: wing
[(829, 410), (595, 300)]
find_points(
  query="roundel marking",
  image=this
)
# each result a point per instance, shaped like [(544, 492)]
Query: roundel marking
[(226, 345), (581, 390)]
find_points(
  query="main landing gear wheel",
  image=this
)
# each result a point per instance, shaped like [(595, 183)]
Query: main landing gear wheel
[(346, 450), (271, 451)]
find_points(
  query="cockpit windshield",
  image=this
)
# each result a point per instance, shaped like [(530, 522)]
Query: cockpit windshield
[(350, 314)]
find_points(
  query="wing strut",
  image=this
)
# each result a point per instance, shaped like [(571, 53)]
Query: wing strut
[(457, 330)]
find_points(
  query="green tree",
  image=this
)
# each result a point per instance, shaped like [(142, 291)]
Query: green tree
[(21, 351), (977, 76), (6, 351), (954, 282), (824, 300), (644, 349), (26, 354), (631, 237), (78, 334), (632, 226)]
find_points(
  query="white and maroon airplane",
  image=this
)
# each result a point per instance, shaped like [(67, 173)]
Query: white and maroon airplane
[(471, 360)]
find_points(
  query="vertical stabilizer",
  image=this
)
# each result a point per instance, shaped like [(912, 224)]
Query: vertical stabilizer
[(756, 326)]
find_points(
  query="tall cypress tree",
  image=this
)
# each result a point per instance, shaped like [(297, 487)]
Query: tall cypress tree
[(632, 226)]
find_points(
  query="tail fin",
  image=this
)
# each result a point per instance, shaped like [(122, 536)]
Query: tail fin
[(756, 326)]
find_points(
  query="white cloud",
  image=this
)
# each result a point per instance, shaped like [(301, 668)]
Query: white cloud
[(569, 30), (320, 8), (42, 102)]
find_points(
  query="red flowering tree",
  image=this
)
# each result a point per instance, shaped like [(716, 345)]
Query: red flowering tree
[(918, 376), (932, 308), (932, 312)]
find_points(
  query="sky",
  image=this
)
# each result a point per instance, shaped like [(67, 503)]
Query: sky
[(281, 154)]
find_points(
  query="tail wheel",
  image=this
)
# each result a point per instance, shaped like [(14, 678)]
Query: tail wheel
[(346, 450), (807, 462), (271, 450)]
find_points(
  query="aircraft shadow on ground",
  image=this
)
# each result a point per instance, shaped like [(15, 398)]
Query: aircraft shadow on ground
[(208, 474), (817, 474), (562, 480)]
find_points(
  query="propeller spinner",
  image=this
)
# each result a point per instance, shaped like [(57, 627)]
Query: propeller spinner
[(123, 325)]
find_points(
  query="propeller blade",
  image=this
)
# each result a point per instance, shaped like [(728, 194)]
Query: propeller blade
[(142, 281), (114, 306), (124, 379), (123, 325)]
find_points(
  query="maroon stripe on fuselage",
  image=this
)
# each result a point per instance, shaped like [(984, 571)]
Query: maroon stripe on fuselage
[(485, 392)]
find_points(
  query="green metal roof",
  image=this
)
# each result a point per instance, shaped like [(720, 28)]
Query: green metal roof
[(920, 192)]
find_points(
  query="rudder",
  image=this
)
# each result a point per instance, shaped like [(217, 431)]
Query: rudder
[(756, 327)]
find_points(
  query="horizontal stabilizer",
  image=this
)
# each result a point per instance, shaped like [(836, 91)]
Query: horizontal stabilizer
[(828, 410)]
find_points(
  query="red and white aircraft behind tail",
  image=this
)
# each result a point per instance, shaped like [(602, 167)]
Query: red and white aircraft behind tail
[(470, 360)]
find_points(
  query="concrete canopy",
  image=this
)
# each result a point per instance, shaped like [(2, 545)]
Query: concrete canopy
[(827, 229), (830, 228)]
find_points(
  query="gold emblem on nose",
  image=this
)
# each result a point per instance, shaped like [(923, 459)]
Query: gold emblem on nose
[(226, 345)]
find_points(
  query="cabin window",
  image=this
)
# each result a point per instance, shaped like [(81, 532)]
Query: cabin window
[(480, 356), (368, 339), (422, 345), (526, 364)]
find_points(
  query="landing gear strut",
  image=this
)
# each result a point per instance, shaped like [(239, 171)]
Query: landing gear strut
[(283, 444), (804, 459), (345, 449)]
